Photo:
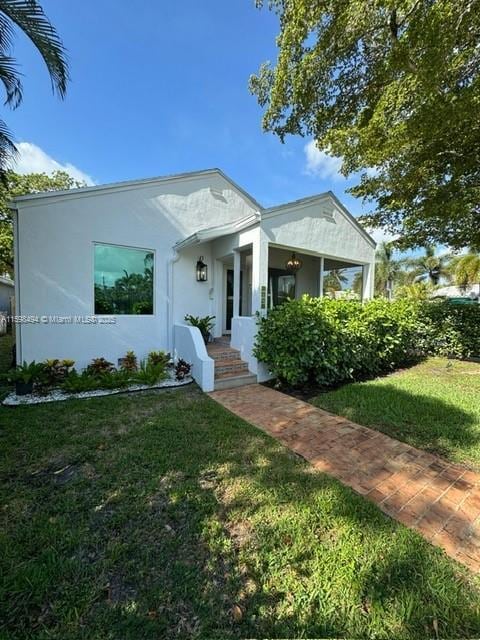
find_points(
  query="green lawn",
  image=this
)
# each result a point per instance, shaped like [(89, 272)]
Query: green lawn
[(434, 406), (161, 515)]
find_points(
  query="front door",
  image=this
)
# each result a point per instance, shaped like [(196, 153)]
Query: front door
[(228, 306)]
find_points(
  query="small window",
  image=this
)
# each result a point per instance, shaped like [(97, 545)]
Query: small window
[(123, 280)]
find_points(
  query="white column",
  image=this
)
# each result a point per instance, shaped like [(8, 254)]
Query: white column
[(368, 281), (259, 272), (320, 277), (236, 283)]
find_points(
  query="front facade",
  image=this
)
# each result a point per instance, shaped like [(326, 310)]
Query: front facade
[(102, 270)]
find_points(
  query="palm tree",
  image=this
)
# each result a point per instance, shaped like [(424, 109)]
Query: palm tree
[(466, 268), (387, 270), (29, 17), (430, 267), (334, 280)]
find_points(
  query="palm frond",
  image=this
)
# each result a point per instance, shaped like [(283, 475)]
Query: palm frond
[(6, 34), (29, 16), (8, 150), (11, 81)]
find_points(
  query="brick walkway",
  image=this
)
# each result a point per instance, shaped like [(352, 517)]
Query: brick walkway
[(439, 499)]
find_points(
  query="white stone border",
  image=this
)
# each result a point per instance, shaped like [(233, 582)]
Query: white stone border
[(56, 395)]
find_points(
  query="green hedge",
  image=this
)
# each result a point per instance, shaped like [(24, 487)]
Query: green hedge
[(323, 341), (451, 330)]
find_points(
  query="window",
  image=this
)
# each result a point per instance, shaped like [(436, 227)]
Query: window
[(281, 287), (123, 280), (342, 281)]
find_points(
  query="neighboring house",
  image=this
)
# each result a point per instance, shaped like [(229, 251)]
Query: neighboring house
[(7, 291), (471, 291), (104, 269)]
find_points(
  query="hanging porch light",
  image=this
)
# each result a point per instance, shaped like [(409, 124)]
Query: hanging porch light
[(293, 264)]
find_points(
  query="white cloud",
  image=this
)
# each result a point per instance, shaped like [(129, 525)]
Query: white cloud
[(319, 163), (380, 235), (32, 159)]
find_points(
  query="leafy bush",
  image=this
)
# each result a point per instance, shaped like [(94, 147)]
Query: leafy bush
[(55, 371), (149, 373), (450, 330), (26, 373), (86, 381), (159, 357), (129, 362), (323, 341), (205, 325), (182, 369), (99, 366)]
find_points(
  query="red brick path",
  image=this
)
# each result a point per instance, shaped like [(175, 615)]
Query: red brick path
[(439, 499)]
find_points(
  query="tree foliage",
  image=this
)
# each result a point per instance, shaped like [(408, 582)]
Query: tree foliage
[(29, 17), (18, 185), (390, 85)]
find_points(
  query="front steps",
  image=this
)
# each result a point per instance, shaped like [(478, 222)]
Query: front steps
[(230, 370)]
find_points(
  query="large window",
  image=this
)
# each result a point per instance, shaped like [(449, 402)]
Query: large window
[(343, 281), (123, 280)]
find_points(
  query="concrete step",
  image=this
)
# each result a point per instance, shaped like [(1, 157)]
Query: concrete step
[(229, 382), (230, 365)]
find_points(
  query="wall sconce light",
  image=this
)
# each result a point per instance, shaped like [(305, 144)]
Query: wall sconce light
[(202, 270), (293, 264)]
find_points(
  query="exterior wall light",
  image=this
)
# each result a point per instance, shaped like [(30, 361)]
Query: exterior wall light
[(293, 264), (202, 270)]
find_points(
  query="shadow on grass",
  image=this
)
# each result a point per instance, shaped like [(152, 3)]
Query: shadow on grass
[(427, 422), (184, 521)]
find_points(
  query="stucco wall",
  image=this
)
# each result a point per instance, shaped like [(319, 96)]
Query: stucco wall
[(55, 250), (319, 227)]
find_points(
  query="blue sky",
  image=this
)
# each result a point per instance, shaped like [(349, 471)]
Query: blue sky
[(162, 87)]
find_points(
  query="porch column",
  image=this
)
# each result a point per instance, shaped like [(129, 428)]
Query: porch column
[(259, 272), (368, 281), (236, 283), (320, 277)]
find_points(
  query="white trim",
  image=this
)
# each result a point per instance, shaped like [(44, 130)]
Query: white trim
[(33, 198), (7, 281), (212, 233)]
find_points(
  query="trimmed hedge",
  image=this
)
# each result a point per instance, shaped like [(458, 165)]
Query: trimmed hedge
[(451, 330), (324, 341)]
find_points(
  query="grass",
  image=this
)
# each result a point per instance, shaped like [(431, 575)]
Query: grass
[(163, 515), (434, 406)]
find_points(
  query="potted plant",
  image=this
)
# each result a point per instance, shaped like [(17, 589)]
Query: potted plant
[(24, 377), (205, 325)]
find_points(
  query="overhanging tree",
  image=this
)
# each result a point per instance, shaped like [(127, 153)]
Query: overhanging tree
[(14, 185), (390, 85), (29, 17)]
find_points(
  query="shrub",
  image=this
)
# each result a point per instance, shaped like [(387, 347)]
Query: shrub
[(99, 366), (55, 371), (129, 362), (323, 341), (450, 330), (149, 373), (205, 325), (159, 357), (182, 369)]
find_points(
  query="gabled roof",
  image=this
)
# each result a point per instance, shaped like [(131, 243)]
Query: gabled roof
[(133, 184), (303, 202), (213, 231)]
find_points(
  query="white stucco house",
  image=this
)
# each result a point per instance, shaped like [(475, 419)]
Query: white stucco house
[(101, 270)]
